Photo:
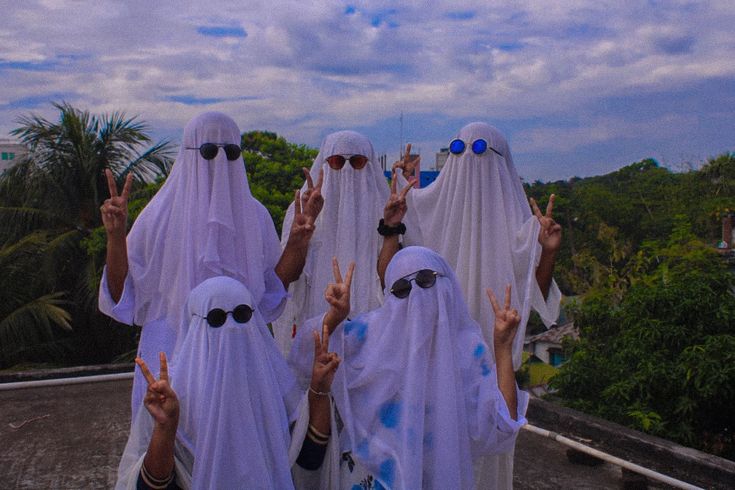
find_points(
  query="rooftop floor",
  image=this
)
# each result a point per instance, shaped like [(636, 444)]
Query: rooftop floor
[(74, 435)]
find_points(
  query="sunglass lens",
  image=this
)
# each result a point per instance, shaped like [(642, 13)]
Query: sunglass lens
[(336, 162), (401, 288), (232, 151), (216, 318), (208, 151), (242, 314), (479, 147), (456, 146), (358, 161), (426, 278)]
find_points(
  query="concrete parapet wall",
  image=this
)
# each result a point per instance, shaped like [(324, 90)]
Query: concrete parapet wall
[(669, 458)]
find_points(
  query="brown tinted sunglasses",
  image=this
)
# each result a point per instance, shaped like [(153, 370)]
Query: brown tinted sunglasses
[(336, 162)]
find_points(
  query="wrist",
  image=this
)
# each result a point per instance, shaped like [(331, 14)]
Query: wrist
[(386, 229)]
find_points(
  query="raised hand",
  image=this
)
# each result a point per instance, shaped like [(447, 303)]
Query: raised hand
[(313, 199), (302, 227), (507, 320), (395, 209), (325, 363), (407, 163), (337, 295), (160, 399), (550, 234), (115, 209)]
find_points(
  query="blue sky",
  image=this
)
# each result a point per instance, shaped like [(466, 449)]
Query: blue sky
[(579, 88)]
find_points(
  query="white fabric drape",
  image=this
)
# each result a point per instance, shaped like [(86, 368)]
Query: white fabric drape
[(416, 390), (346, 229), (237, 398), (202, 223), (476, 216)]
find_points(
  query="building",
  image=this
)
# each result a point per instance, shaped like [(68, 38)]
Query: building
[(546, 346), (441, 158), (10, 153)]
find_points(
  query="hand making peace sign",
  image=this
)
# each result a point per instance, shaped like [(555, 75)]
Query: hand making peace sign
[(302, 227), (115, 209), (313, 199), (337, 295), (396, 207), (507, 319), (550, 234), (160, 399), (325, 363), (407, 163)]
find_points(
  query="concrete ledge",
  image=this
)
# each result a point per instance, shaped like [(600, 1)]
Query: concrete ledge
[(71, 372), (683, 463)]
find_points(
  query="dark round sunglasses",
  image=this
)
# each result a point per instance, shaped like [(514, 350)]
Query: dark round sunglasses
[(425, 278), (217, 317), (479, 146), (209, 150), (336, 162)]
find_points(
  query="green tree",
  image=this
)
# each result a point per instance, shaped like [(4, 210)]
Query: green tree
[(659, 354), (49, 206), (274, 170)]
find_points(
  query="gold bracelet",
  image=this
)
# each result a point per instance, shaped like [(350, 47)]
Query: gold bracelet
[(318, 393)]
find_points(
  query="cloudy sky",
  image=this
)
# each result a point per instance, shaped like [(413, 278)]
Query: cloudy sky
[(579, 88)]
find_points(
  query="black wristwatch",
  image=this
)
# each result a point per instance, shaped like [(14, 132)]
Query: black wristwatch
[(386, 230)]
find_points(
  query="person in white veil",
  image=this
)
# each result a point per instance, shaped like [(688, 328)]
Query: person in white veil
[(417, 392), (477, 217), (355, 192), (221, 418), (202, 223)]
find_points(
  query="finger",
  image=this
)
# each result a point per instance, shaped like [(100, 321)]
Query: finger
[(320, 180), (111, 185), (408, 187), (408, 153), (146, 372), (309, 181), (536, 210), (348, 278), (493, 301), (393, 182), (335, 271), (163, 375), (126, 188), (297, 202), (332, 365), (325, 338), (550, 206), (507, 297), (317, 344)]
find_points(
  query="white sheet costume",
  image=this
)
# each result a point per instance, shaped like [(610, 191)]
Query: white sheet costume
[(346, 229), (416, 389), (202, 223), (477, 217), (237, 398)]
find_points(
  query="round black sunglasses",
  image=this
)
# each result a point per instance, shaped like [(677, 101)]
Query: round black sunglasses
[(217, 317), (425, 278), (209, 150)]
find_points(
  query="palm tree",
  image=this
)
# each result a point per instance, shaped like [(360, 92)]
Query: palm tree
[(49, 213)]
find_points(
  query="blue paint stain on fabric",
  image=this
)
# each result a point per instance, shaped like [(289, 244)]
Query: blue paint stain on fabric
[(358, 328), (479, 351), (485, 368), (356, 487), (390, 414), (350, 10), (388, 472)]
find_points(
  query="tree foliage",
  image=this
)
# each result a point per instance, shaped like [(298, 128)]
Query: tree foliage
[(49, 209), (657, 354), (274, 170)]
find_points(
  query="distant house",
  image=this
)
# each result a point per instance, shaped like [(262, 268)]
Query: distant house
[(546, 346), (10, 153)]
